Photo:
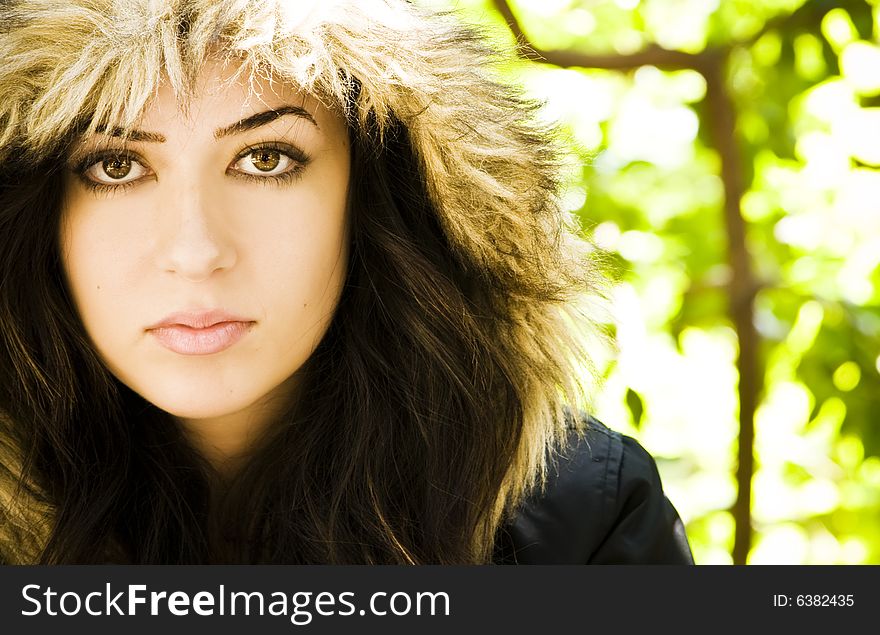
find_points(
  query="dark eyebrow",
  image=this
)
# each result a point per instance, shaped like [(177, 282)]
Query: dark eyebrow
[(262, 118), (248, 123)]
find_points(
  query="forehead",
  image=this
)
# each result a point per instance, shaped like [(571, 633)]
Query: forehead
[(222, 92)]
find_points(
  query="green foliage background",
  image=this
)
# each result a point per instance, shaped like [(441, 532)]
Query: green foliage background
[(804, 78)]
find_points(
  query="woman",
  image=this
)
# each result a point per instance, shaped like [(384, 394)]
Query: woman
[(286, 282)]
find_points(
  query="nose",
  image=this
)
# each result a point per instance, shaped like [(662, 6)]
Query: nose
[(195, 240)]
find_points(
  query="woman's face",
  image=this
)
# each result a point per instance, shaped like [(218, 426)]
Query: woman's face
[(207, 257)]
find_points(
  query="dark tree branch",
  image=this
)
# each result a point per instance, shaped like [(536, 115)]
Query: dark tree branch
[(741, 296), (653, 55)]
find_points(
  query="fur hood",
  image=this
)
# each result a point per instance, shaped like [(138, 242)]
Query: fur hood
[(490, 168)]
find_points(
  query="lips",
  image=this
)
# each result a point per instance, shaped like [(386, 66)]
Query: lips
[(200, 332)]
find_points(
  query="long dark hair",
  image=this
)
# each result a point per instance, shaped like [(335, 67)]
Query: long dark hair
[(405, 426)]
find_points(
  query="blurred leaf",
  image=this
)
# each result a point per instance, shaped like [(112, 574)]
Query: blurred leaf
[(635, 405)]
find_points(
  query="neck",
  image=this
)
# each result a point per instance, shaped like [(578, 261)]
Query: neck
[(224, 441), (227, 440)]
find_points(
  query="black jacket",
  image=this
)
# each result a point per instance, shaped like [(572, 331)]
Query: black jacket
[(603, 504)]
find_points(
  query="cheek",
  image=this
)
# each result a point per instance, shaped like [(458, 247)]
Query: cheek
[(98, 259), (296, 256), (302, 259)]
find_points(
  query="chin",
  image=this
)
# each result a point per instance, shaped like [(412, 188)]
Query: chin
[(188, 401), (211, 410)]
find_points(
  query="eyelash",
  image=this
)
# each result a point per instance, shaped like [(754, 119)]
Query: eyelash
[(297, 156)]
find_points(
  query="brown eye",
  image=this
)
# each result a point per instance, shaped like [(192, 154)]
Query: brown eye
[(114, 170), (116, 167), (265, 160)]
